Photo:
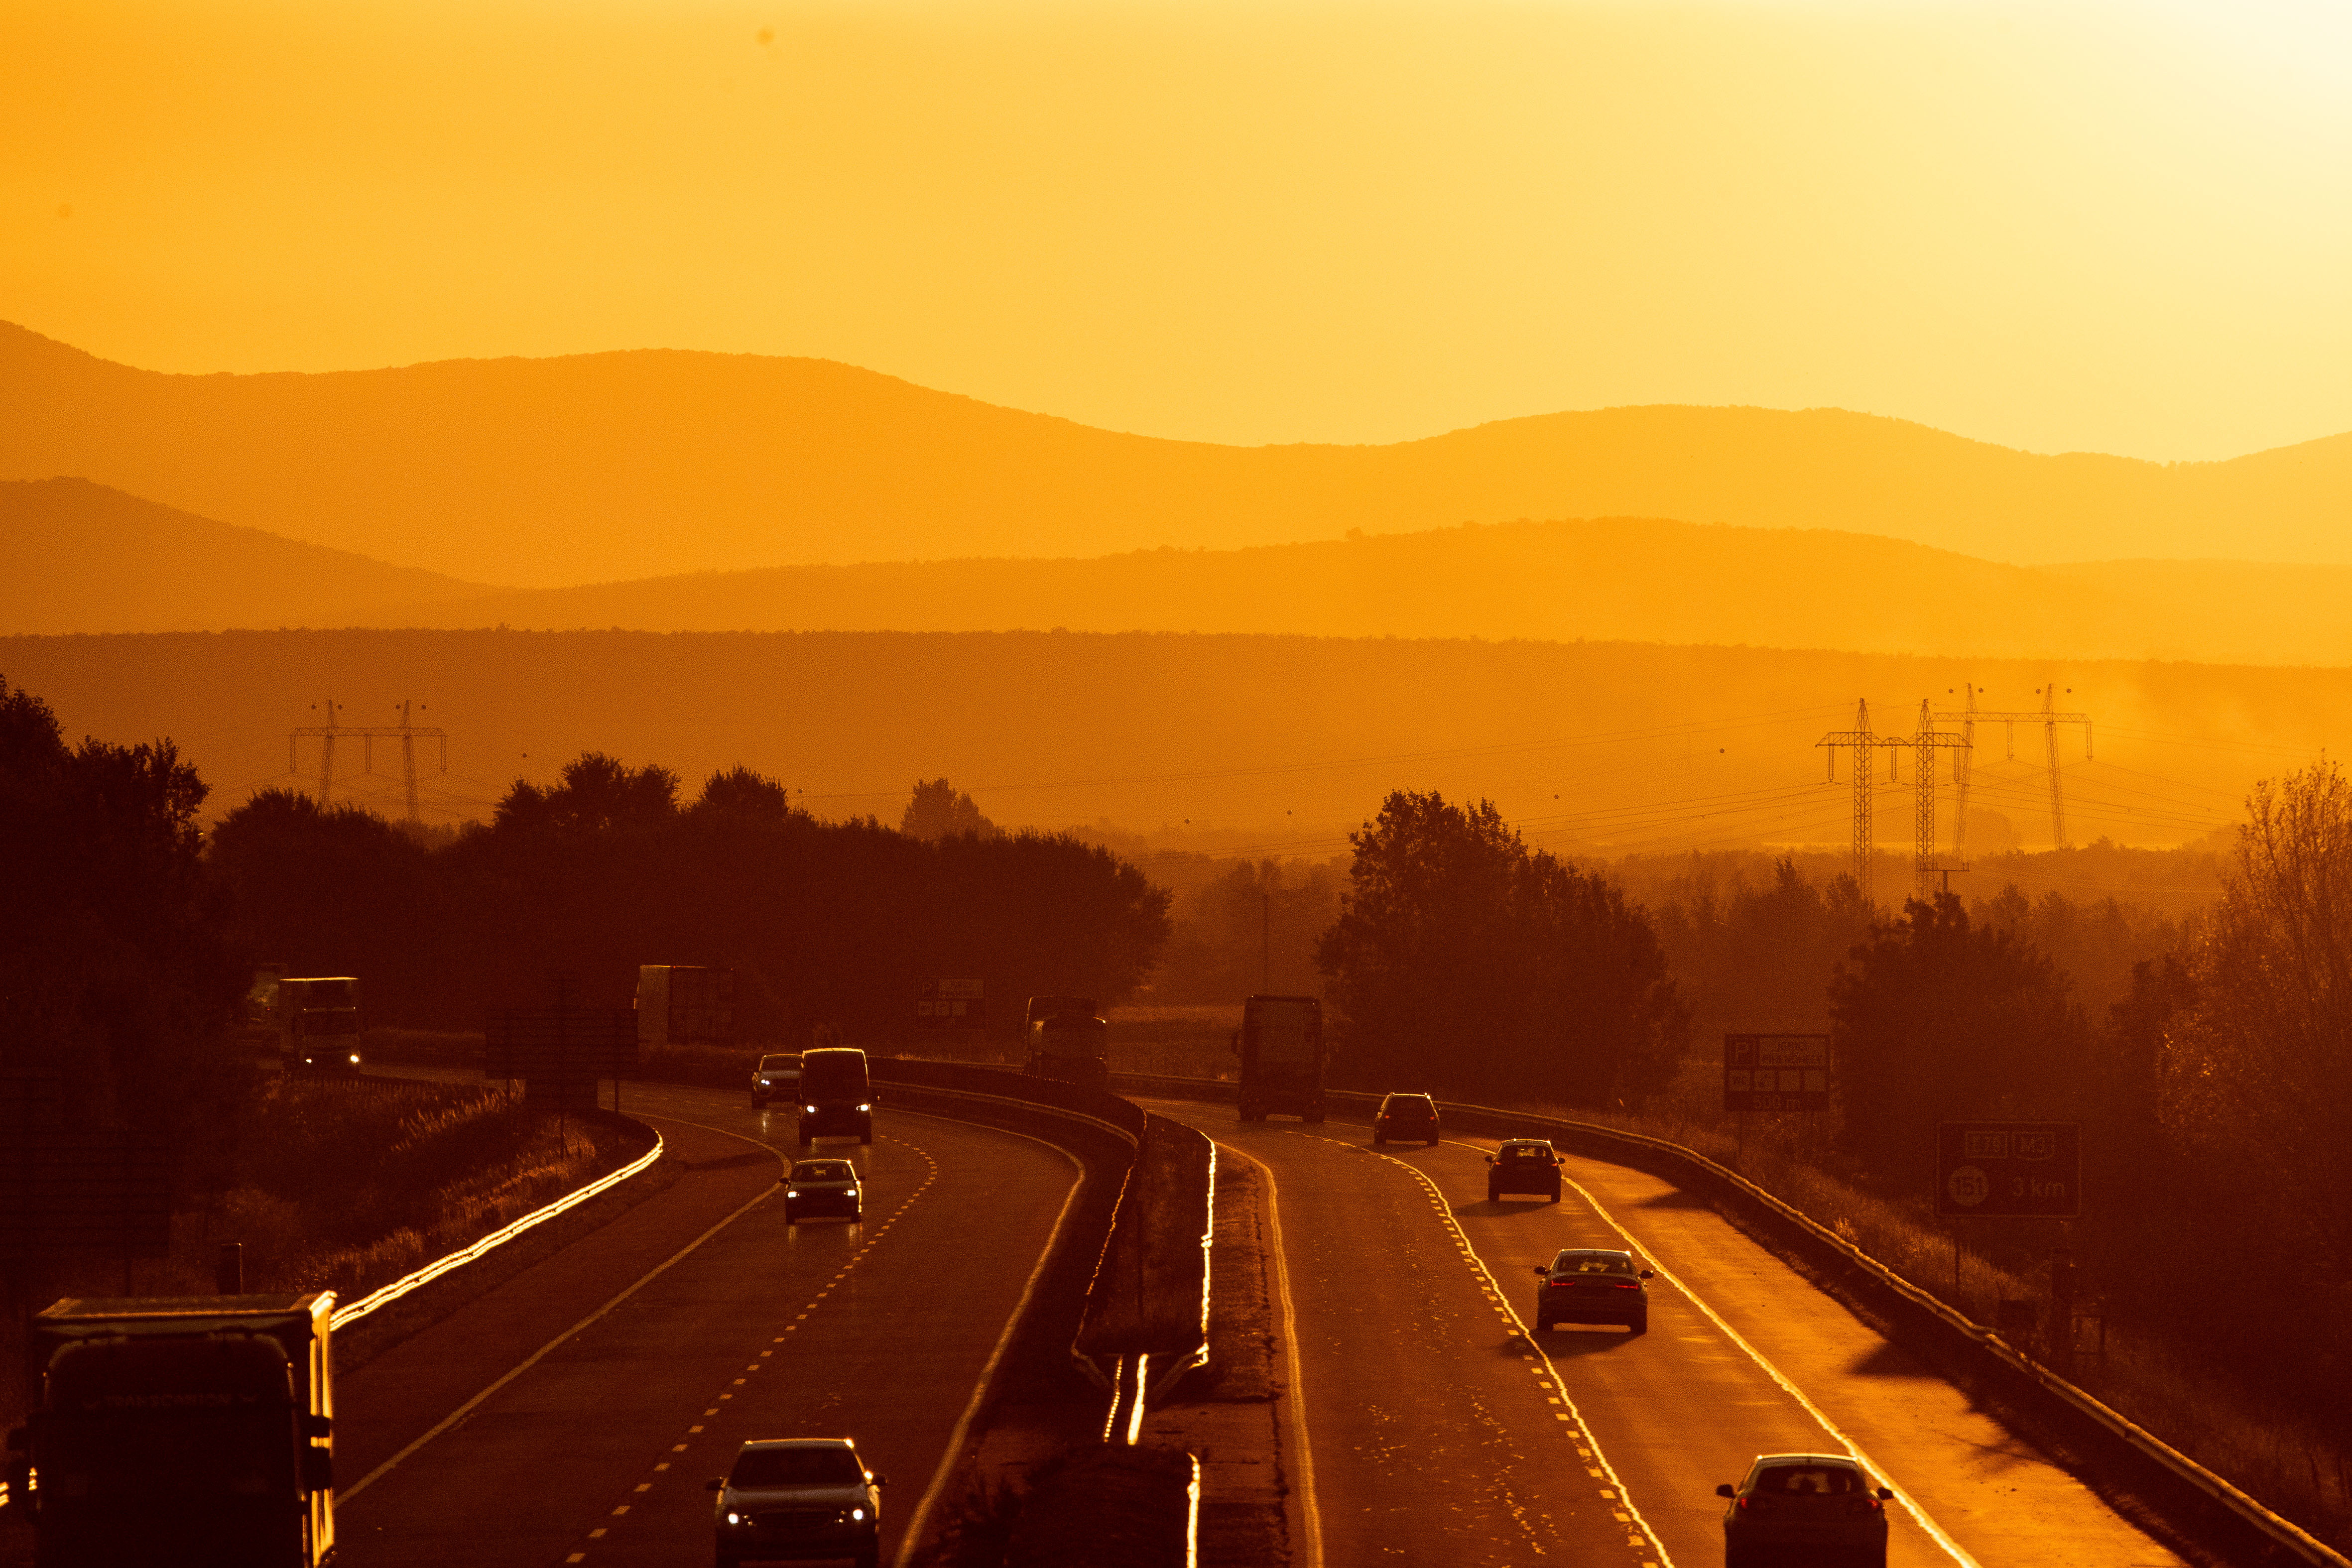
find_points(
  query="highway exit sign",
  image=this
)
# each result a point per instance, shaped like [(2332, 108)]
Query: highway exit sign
[(2014, 1170), (1776, 1073)]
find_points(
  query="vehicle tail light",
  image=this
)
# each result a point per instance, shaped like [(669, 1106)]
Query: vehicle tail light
[(1865, 1505), (1563, 1284), (1624, 1284)]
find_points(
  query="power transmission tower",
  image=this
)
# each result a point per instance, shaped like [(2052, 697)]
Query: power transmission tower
[(2049, 719), (1923, 744), (406, 733)]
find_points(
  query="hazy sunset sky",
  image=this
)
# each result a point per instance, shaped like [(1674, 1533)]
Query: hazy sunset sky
[(2123, 227)]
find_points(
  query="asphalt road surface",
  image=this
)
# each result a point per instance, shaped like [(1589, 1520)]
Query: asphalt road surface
[(1437, 1429), (573, 1414)]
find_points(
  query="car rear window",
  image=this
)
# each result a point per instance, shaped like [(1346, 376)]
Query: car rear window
[(1527, 1152), (1808, 1480), (796, 1468), (1409, 1103), (1592, 1263)]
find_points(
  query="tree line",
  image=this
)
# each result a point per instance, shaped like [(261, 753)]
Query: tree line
[(581, 881)]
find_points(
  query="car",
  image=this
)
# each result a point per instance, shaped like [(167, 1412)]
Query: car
[(822, 1187), (1589, 1285), (787, 1500), (1404, 1116), (1813, 1509), (1523, 1164), (778, 1076)]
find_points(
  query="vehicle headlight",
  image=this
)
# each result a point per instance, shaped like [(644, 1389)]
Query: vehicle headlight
[(355, 1059), (765, 1083), (856, 1514), (734, 1518), (861, 1107), (810, 1109), (791, 1192)]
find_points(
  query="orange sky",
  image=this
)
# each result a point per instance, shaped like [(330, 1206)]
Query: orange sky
[(2120, 227)]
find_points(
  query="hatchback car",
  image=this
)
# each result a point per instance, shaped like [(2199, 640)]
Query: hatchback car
[(778, 1076), (1405, 1117), (1523, 1164), (789, 1500), (822, 1187), (1805, 1507), (1587, 1286)]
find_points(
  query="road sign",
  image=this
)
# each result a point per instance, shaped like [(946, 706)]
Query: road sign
[(1776, 1073), (950, 1004), (578, 1044), (2014, 1170)]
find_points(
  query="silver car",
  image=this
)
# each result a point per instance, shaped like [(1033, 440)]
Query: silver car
[(788, 1500), (778, 1076), (1813, 1509)]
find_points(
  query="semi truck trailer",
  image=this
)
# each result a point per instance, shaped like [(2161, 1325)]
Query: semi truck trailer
[(1281, 1046), (194, 1431)]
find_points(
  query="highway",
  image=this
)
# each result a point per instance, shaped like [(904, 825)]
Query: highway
[(1436, 1429), (573, 1415)]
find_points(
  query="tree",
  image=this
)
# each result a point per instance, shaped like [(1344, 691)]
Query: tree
[(938, 811), (114, 981), (597, 792), (741, 795), (1937, 1019), (2257, 1075), (1464, 962)]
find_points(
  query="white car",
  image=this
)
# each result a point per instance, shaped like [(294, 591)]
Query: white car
[(789, 1499)]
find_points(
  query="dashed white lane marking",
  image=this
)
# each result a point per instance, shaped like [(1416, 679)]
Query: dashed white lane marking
[(1589, 1446), (1902, 1494)]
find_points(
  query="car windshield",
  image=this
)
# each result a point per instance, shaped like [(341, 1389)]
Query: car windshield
[(796, 1468), (823, 1170), (779, 1064), (1592, 1263), (1808, 1480)]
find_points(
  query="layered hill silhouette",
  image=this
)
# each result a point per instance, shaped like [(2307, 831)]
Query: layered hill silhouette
[(80, 556), (607, 466), (98, 560)]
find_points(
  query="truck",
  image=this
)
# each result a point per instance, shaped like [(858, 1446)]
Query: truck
[(309, 1023), (1280, 1043), (837, 1097), (683, 1004), (1071, 1048), (195, 1430)]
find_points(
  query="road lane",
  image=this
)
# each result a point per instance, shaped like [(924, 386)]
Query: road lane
[(598, 1452), (1435, 1434), (1743, 1356)]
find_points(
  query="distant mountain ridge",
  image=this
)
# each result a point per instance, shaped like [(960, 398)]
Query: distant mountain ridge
[(104, 561), (649, 463)]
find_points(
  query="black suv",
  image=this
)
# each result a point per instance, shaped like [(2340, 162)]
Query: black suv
[(1523, 1164), (1405, 1117)]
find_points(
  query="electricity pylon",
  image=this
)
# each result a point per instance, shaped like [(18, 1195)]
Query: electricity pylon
[(405, 731), (2049, 719), (1923, 743)]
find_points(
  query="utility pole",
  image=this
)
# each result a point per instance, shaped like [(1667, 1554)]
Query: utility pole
[(1266, 940), (2049, 719), (1925, 745), (406, 733)]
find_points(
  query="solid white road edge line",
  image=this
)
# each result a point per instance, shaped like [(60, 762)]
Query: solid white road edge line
[(948, 1460), (1902, 1494), (1310, 1513), (344, 1495)]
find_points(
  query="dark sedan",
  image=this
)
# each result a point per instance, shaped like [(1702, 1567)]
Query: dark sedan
[(1407, 1118)]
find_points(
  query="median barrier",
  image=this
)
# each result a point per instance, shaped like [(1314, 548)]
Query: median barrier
[(2192, 1500)]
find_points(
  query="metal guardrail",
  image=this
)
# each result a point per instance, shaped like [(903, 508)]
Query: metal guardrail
[(2279, 1531), (374, 1299)]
